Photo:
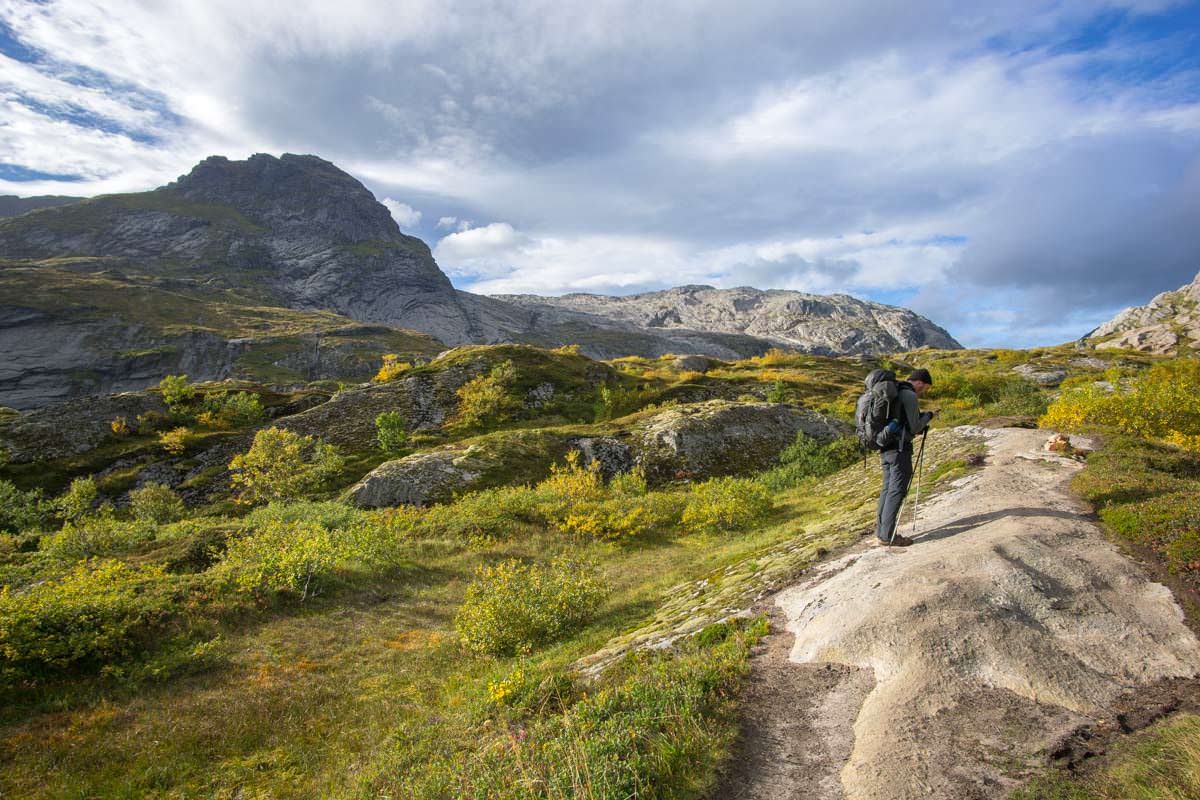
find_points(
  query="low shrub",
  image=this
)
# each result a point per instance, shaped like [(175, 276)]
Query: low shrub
[(778, 393), (237, 410), (154, 502), (390, 432), (487, 399), (392, 368), (281, 465), (96, 613), (1018, 398), (20, 511), (78, 501), (490, 514), (615, 401), (612, 519), (178, 394), (570, 483), (328, 514), (285, 557), (624, 516), (726, 504), (523, 691), (97, 535), (176, 440), (778, 357), (514, 607), (807, 458)]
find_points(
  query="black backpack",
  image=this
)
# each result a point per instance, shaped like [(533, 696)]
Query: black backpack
[(874, 410)]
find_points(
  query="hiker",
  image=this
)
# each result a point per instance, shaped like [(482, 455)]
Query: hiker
[(896, 455)]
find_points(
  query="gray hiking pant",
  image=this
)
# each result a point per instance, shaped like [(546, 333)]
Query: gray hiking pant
[(897, 474)]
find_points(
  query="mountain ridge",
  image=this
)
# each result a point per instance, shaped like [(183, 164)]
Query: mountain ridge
[(295, 233)]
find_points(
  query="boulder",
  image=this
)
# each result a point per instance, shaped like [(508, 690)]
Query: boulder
[(503, 458), (1150, 339), (718, 437), (613, 455), (691, 363), (419, 479), (1049, 376), (1089, 362)]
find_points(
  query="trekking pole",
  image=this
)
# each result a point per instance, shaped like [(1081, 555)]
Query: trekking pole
[(920, 469)]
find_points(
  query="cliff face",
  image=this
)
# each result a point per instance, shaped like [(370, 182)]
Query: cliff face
[(1170, 323), (256, 262), (296, 230)]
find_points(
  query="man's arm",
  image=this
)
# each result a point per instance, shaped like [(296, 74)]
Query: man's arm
[(913, 419)]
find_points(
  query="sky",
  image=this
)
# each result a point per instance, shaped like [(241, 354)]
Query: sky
[(1017, 171)]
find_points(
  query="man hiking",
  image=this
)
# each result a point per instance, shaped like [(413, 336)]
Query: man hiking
[(896, 457)]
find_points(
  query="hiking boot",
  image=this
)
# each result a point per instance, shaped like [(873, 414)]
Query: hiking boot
[(897, 541)]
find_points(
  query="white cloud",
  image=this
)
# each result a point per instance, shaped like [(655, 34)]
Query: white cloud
[(625, 151), (405, 215), (499, 259)]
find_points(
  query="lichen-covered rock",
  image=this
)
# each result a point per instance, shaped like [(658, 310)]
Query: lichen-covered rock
[(692, 364), (73, 427), (612, 455), (503, 458), (419, 479), (1051, 376), (718, 437), (539, 395)]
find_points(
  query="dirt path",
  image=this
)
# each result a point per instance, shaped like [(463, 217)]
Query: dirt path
[(953, 668)]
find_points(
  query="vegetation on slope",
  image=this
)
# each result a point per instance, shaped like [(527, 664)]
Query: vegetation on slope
[(172, 315), (311, 648), (306, 648)]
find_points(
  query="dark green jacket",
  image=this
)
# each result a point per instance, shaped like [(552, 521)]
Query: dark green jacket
[(910, 415)]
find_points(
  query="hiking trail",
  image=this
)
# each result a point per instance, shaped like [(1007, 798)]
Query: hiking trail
[(954, 668)]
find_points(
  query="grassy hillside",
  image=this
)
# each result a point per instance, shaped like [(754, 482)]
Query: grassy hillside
[(171, 319), (489, 646)]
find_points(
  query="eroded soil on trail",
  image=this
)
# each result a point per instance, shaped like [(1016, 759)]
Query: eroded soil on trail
[(956, 668)]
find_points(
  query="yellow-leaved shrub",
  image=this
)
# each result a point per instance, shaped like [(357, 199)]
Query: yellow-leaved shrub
[(285, 556), (514, 607), (1161, 404), (94, 613), (726, 504), (392, 368), (281, 465)]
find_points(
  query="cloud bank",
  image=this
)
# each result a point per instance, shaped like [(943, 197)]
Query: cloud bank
[(1016, 171)]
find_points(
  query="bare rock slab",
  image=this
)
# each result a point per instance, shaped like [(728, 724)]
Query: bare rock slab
[(1010, 623)]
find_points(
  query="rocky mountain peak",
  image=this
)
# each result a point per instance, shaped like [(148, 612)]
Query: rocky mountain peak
[(291, 191)]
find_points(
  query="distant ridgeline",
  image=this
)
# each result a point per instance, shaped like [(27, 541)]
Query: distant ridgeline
[(287, 270), (13, 206)]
